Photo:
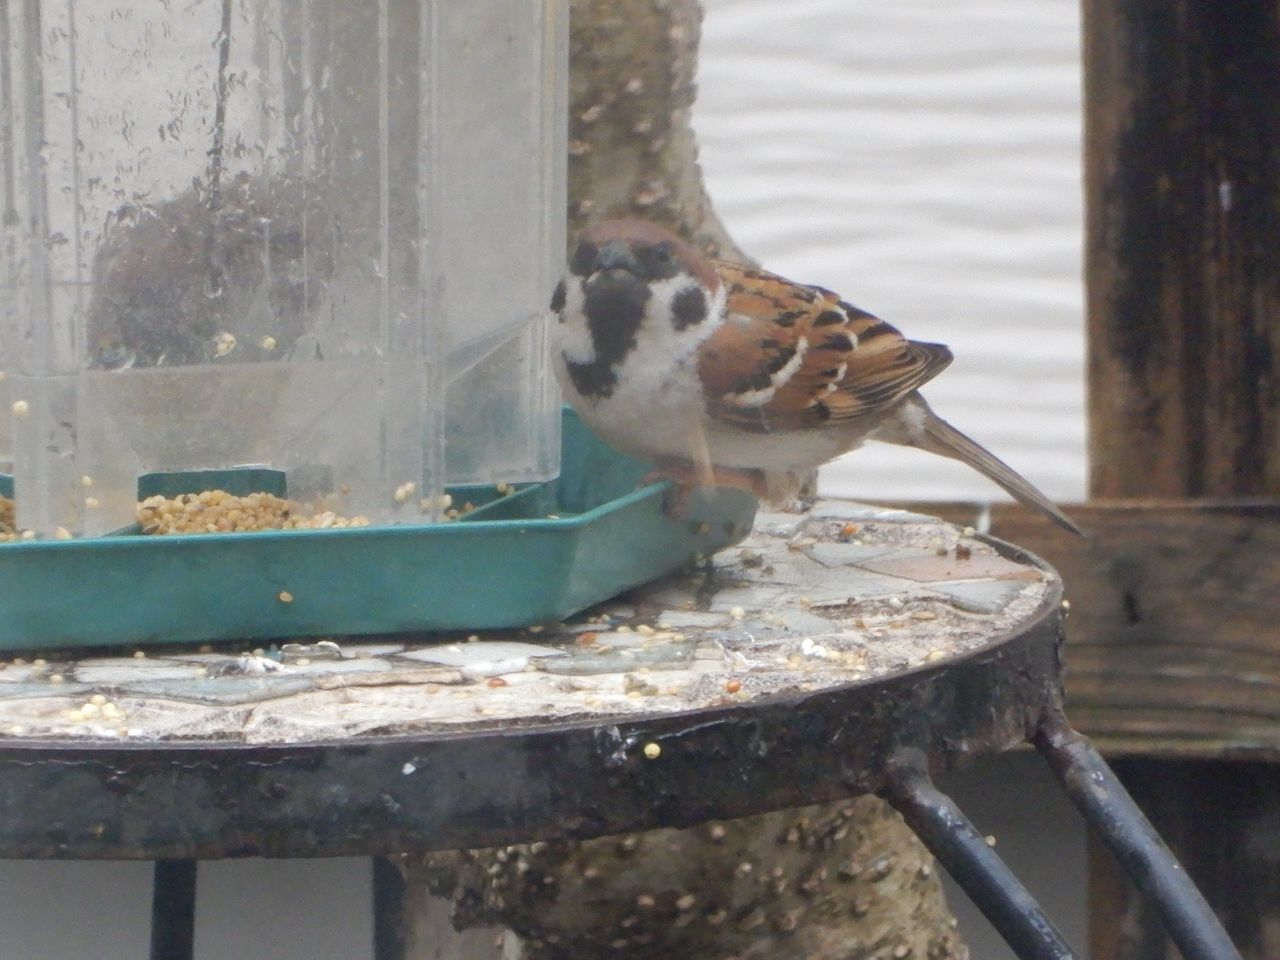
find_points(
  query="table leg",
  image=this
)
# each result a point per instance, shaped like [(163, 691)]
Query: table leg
[(388, 910), (173, 910), (971, 861), (1107, 806)]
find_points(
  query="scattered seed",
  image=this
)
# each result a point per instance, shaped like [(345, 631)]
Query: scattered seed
[(652, 751), (20, 408), (284, 596)]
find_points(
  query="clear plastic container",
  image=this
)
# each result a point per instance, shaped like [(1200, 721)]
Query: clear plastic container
[(317, 237)]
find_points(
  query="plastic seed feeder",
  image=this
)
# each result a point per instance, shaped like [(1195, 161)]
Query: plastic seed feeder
[(298, 254)]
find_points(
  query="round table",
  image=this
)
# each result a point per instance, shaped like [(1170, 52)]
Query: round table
[(846, 649)]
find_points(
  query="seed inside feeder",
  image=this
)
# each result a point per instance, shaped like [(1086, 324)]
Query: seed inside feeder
[(8, 520), (216, 511)]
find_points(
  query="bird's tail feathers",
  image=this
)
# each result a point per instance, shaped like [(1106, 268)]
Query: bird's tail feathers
[(920, 427)]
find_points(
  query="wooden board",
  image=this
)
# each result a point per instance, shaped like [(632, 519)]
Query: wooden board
[(1174, 629)]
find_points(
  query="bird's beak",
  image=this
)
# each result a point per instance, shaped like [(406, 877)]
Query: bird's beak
[(616, 255)]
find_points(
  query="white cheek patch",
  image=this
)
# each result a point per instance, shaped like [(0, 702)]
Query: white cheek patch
[(573, 337), (661, 351)]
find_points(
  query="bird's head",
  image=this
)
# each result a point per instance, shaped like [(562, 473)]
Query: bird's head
[(626, 251), (630, 279)]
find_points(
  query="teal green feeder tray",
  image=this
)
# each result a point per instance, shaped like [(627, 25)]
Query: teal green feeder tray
[(537, 555)]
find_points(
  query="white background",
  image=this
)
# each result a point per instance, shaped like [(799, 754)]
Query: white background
[(923, 160)]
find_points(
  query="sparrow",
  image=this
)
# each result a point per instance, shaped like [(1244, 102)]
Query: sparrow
[(721, 374)]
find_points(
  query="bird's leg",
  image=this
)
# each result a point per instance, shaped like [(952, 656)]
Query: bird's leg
[(688, 477)]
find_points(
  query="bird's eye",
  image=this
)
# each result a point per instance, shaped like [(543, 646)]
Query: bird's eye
[(662, 253)]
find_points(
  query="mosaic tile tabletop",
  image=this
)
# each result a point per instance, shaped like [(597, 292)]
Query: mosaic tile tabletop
[(843, 593)]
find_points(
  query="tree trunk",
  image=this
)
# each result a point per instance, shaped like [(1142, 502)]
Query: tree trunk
[(842, 881)]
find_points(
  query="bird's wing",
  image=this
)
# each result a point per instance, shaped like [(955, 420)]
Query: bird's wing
[(790, 356)]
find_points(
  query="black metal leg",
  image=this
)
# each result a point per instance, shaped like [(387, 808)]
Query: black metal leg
[(173, 910), (388, 911), (1105, 803), (965, 854)]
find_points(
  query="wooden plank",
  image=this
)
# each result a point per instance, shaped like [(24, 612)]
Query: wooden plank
[(1182, 172), (1174, 631), (1182, 185)]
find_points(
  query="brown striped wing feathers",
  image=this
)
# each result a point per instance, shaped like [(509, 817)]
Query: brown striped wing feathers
[(790, 356)]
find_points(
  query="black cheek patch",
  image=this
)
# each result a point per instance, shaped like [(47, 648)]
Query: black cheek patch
[(557, 299), (688, 308)]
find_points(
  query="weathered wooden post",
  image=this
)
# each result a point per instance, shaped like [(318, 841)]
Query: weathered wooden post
[(1183, 269)]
